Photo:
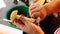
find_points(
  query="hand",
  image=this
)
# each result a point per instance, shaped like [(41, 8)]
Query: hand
[(36, 10), (28, 27)]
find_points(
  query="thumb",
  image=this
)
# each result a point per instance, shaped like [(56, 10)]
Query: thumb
[(25, 21)]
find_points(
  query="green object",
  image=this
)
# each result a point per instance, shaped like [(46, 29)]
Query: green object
[(21, 10)]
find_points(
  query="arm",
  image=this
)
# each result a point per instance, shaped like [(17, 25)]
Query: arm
[(52, 7), (38, 31), (36, 10)]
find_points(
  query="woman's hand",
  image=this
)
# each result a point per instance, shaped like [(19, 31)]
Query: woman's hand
[(28, 27), (36, 10)]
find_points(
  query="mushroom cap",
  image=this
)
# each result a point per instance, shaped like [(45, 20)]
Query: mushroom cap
[(13, 15)]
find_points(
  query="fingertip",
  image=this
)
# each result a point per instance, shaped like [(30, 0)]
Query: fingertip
[(33, 6), (33, 15), (36, 14), (18, 25)]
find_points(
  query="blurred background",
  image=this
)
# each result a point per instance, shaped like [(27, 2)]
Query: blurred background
[(3, 10), (49, 24)]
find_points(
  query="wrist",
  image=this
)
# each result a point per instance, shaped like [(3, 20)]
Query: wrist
[(38, 30)]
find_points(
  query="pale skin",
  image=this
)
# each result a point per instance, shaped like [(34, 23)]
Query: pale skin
[(37, 11)]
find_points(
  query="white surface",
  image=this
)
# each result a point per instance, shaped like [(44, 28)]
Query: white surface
[(2, 4), (8, 30)]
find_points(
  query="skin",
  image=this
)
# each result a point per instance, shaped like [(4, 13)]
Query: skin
[(37, 11), (28, 27), (43, 11)]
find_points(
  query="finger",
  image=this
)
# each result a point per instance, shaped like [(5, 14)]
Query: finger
[(33, 11), (36, 14), (24, 20), (21, 26), (33, 6)]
